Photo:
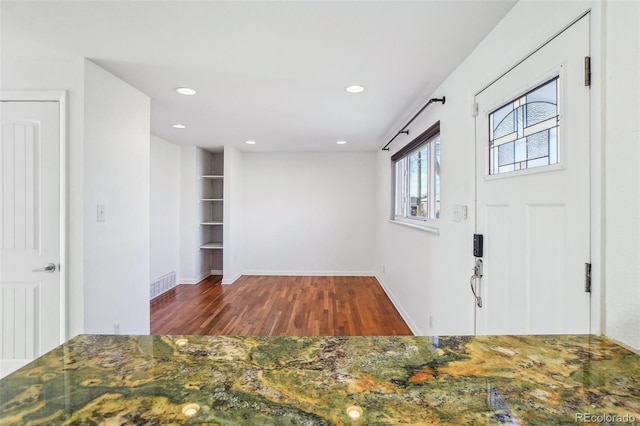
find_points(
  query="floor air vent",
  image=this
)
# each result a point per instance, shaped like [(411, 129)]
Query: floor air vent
[(163, 284)]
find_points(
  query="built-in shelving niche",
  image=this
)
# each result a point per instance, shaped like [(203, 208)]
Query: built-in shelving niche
[(211, 210)]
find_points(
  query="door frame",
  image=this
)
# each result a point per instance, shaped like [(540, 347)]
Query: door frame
[(61, 97), (597, 318)]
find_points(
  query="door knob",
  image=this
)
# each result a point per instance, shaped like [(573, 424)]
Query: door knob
[(50, 268)]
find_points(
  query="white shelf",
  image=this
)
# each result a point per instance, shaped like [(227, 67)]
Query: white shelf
[(211, 199), (212, 177), (211, 223), (212, 246)]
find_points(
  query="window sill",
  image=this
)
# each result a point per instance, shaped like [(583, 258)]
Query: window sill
[(424, 228)]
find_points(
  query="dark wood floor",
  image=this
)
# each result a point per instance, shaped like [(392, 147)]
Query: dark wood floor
[(278, 306)]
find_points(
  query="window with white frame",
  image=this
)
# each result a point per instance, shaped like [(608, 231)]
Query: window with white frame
[(417, 178)]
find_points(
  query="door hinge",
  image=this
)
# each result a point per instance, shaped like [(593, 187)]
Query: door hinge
[(587, 277), (474, 109), (587, 71)]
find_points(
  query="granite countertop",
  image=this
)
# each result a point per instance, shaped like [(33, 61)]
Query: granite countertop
[(157, 380)]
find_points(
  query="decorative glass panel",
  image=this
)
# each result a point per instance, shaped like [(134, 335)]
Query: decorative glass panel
[(505, 154), (540, 111), (553, 145), (538, 145), (521, 150), (524, 132), (505, 126)]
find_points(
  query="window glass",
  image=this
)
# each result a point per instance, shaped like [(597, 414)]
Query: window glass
[(419, 182), (417, 179), (436, 173)]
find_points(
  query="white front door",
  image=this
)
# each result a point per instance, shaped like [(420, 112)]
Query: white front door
[(30, 288), (533, 192)]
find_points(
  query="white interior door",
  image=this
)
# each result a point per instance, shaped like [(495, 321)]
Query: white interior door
[(533, 192), (30, 232)]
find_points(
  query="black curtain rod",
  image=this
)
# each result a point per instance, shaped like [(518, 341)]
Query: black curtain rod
[(406, 132)]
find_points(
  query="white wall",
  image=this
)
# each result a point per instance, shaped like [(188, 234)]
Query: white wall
[(203, 257), (39, 68), (164, 207), (427, 275), (233, 254), (308, 213), (47, 72), (116, 160), (189, 216), (622, 133)]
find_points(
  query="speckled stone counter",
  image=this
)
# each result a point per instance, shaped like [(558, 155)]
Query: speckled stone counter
[(157, 380)]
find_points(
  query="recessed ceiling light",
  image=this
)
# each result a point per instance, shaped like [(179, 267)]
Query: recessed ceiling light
[(341, 142), (250, 142), (179, 126), (355, 89), (185, 91)]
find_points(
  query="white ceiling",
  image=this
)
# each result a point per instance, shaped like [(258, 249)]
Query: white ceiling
[(270, 71)]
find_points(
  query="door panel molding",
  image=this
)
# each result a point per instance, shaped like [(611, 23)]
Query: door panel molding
[(20, 332)]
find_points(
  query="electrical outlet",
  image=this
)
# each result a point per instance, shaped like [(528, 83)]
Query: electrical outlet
[(101, 213), (116, 328)]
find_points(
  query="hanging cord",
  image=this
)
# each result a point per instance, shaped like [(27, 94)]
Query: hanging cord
[(404, 128)]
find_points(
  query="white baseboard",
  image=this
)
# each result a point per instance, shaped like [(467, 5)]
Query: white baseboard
[(216, 272), (287, 273), (195, 280), (227, 281), (412, 325), (290, 273), (624, 345)]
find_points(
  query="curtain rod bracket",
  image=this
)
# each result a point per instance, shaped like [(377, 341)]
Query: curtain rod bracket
[(404, 129)]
